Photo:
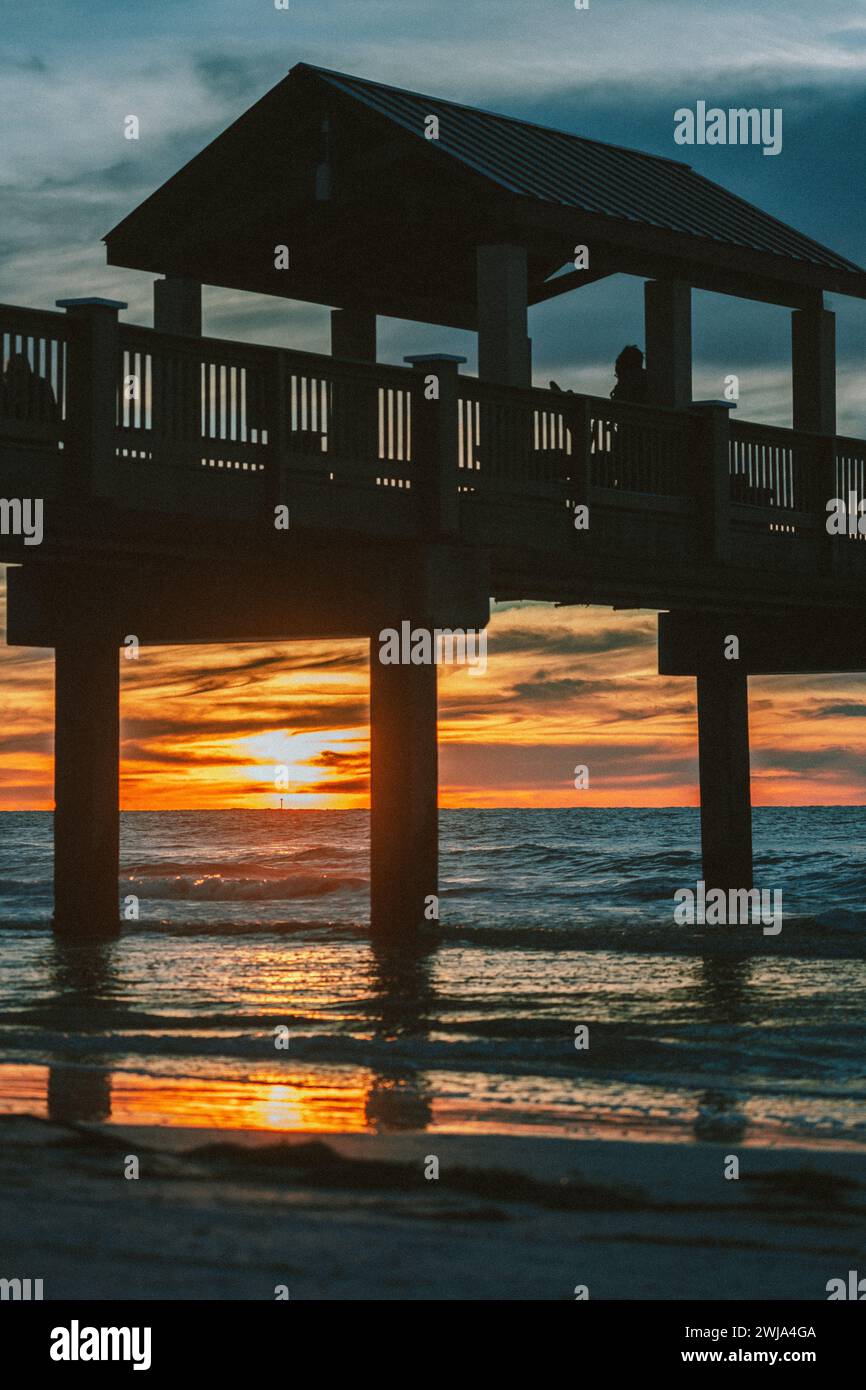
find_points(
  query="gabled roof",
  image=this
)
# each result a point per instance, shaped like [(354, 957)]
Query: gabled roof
[(554, 166), (397, 229)]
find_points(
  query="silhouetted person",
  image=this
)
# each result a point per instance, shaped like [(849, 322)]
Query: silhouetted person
[(631, 384), (25, 395)]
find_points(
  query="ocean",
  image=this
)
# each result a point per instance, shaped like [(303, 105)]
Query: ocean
[(252, 933)]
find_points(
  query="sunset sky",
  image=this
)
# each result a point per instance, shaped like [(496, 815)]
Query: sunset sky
[(207, 727)]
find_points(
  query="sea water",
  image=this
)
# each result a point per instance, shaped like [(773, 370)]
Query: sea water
[(555, 925)]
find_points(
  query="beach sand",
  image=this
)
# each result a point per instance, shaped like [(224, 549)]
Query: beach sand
[(233, 1215)]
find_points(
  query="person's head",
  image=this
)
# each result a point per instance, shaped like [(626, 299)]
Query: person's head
[(18, 368), (629, 362)]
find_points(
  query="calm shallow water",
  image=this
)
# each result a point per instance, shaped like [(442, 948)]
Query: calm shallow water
[(550, 919)]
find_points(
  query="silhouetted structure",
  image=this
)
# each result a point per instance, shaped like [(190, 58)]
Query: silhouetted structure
[(416, 494)]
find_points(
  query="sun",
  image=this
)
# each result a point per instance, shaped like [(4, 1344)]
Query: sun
[(304, 769)]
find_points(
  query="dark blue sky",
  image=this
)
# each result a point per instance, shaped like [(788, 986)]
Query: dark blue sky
[(73, 69)]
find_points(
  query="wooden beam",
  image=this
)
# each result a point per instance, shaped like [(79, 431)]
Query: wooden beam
[(658, 253), (342, 591), (808, 642), (562, 284)]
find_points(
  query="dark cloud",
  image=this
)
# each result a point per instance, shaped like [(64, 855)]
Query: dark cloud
[(631, 716), (561, 642), (323, 715), (350, 785), (853, 709), (231, 78), (811, 760), (557, 689), (133, 751), (334, 759), (33, 64), (37, 743), (123, 174), (225, 678), (246, 671)]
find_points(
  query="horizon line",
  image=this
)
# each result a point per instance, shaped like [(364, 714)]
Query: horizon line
[(286, 810)]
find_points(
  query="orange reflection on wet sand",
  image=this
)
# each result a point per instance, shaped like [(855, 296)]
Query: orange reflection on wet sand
[(308, 1102)]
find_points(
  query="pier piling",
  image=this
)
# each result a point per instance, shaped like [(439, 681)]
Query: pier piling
[(86, 786), (404, 830)]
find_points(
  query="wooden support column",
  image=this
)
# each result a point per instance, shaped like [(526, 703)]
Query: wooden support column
[(404, 785), (813, 361), (726, 804), (813, 357), (353, 400), (176, 385), (86, 785), (668, 313), (711, 446), (177, 305), (436, 428), (353, 334), (504, 349), (94, 373)]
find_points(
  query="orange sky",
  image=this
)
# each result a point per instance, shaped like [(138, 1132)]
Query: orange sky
[(210, 727)]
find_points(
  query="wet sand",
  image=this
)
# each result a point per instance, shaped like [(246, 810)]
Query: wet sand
[(234, 1215)]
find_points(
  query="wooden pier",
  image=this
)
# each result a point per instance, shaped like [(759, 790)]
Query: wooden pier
[(166, 460)]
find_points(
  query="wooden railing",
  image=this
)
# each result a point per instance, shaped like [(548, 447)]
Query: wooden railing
[(193, 407), (533, 440), (183, 402), (639, 448), (512, 439), (210, 403), (850, 474), (34, 355), (779, 484), (850, 487), (773, 467)]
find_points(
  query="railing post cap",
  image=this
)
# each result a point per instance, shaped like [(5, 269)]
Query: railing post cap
[(92, 302), (419, 358)]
